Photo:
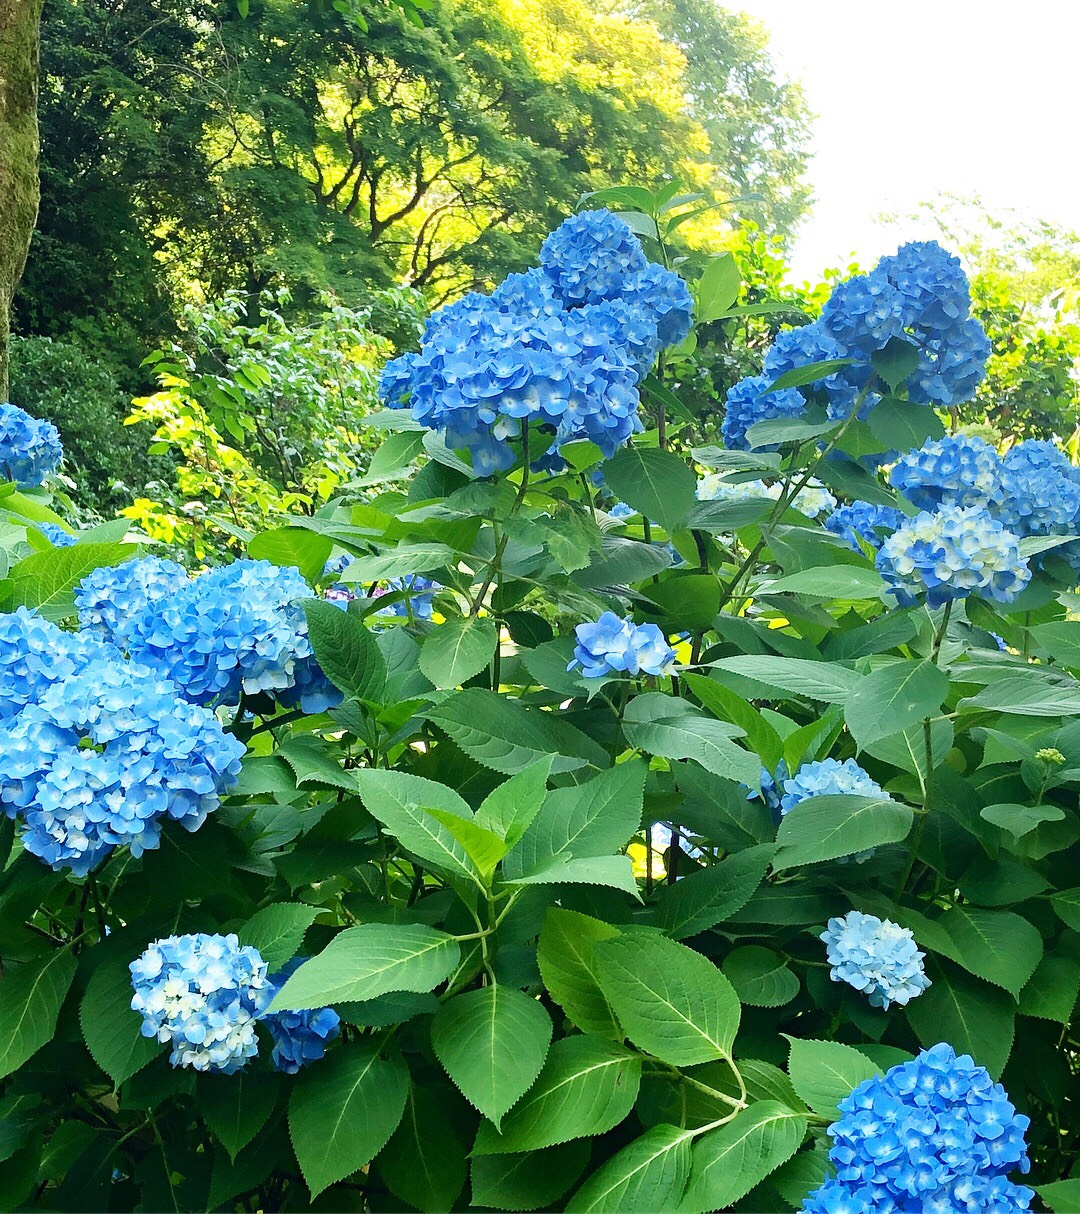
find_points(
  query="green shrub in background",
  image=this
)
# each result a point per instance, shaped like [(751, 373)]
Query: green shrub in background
[(84, 398)]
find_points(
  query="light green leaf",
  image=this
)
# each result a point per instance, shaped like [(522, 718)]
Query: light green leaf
[(832, 582), (507, 737), (493, 1043), (728, 1162), (900, 425), (658, 484), (346, 650), (826, 1072), (973, 1017), (457, 650), (825, 681), (760, 976), (725, 705), (893, 699), (674, 729), (568, 966), (1027, 697), (341, 1116), (509, 809), (722, 517), (315, 760), (614, 871), (296, 546), (591, 819), (1020, 820), (47, 581), (704, 899), (798, 377), (717, 288), (1060, 641), (277, 931), (401, 802), (30, 998), (424, 1162), (483, 847), (1061, 1196), (671, 1002), (648, 1175), (402, 561), (997, 945), (110, 1028), (370, 960), (236, 1107), (825, 828), (588, 1085)]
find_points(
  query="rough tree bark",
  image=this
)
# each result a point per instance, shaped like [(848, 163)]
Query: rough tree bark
[(20, 42)]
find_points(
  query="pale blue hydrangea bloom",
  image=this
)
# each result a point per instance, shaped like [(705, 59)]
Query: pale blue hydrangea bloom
[(875, 956), (749, 402), (58, 536), (713, 487), (30, 447), (590, 256), (814, 499), (35, 653), (102, 758), (864, 521), (950, 554), (934, 1135), (111, 597), (1041, 495), (239, 629), (203, 994), (299, 1037), (958, 470), (616, 646), (828, 778), (621, 510)]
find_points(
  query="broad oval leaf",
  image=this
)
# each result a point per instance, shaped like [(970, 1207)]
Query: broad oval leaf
[(346, 650), (30, 999), (567, 961), (648, 1175), (457, 650), (826, 1072), (894, 699), (825, 828), (658, 484)]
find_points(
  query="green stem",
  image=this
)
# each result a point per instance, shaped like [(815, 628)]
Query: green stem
[(939, 635), (502, 540)]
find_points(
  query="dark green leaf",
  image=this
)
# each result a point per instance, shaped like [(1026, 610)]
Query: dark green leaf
[(826, 1072), (110, 1028), (236, 1107), (760, 976), (704, 899), (902, 426), (895, 361), (346, 650), (277, 931), (798, 377), (424, 1162), (648, 1175), (972, 1016), (30, 999)]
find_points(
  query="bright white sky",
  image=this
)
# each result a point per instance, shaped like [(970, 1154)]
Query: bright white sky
[(914, 97)]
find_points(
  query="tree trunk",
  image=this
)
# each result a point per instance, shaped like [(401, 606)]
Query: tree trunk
[(20, 32)]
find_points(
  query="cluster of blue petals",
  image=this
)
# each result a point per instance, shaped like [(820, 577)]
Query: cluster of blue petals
[(861, 523), (951, 553), (919, 296), (203, 994), (619, 646), (112, 596), (875, 956), (30, 448), (958, 470), (564, 346), (58, 536), (34, 654), (237, 630), (415, 601), (299, 1037), (828, 778), (934, 1135), (101, 758)]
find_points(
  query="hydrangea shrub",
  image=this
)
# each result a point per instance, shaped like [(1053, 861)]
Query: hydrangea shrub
[(577, 818)]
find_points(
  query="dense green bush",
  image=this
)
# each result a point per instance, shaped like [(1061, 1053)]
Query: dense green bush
[(83, 397)]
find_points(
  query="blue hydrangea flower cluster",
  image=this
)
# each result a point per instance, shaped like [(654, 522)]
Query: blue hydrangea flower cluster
[(616, 646), (57, 535), (564, 345), (951, 553), (1041, 491), (920, 295), (934, 1135), (30, 447), (861, 523), (111, 597), (238, 629), (203, 994), (828, 778), (299, 1037), (416, 601), (103, 757), (875, 956), (749, 401), (34, 654), (957, 470), (590, 256)]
